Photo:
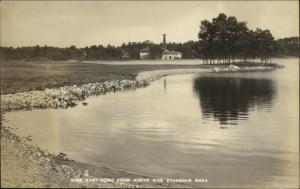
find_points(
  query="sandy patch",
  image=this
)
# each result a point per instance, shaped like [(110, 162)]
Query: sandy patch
[(157, 74)]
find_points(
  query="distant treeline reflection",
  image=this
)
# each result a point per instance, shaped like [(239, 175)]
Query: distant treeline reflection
[(228, 99)]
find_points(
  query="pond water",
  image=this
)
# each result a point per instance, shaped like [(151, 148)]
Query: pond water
[(235, 129)]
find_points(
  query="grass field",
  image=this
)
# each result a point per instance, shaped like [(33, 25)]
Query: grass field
[(19, 76)]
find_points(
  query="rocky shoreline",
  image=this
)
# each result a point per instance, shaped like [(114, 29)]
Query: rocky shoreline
[(64, 97), (25, 165), (233, 68)]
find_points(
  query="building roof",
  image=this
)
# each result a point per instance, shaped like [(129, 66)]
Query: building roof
[(147, 49), (167, 52)]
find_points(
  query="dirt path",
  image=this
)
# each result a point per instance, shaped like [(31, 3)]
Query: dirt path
[(157, 74)]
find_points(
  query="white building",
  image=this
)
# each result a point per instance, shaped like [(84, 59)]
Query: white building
[(145, 53), (171, 55)]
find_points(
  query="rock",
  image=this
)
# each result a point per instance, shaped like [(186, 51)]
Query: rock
[(216, 69), (62, 155), (233, 68)]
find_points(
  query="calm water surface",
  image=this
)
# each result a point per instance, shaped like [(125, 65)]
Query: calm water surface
[(237, 130)]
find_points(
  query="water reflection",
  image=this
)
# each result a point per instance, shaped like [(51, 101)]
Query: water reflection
[(165, 84), (229, 99)]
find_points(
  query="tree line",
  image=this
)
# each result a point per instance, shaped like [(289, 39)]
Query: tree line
[(95, 52), (223, 39)]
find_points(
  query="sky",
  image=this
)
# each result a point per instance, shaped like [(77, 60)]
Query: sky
[(85, 23)]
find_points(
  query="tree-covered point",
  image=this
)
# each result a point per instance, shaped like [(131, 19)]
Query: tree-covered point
[(223, 39)]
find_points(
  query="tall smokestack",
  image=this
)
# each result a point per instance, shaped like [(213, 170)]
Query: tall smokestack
[(164, 42)]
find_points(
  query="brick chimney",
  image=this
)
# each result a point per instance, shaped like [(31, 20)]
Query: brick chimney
[(164, 42)]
